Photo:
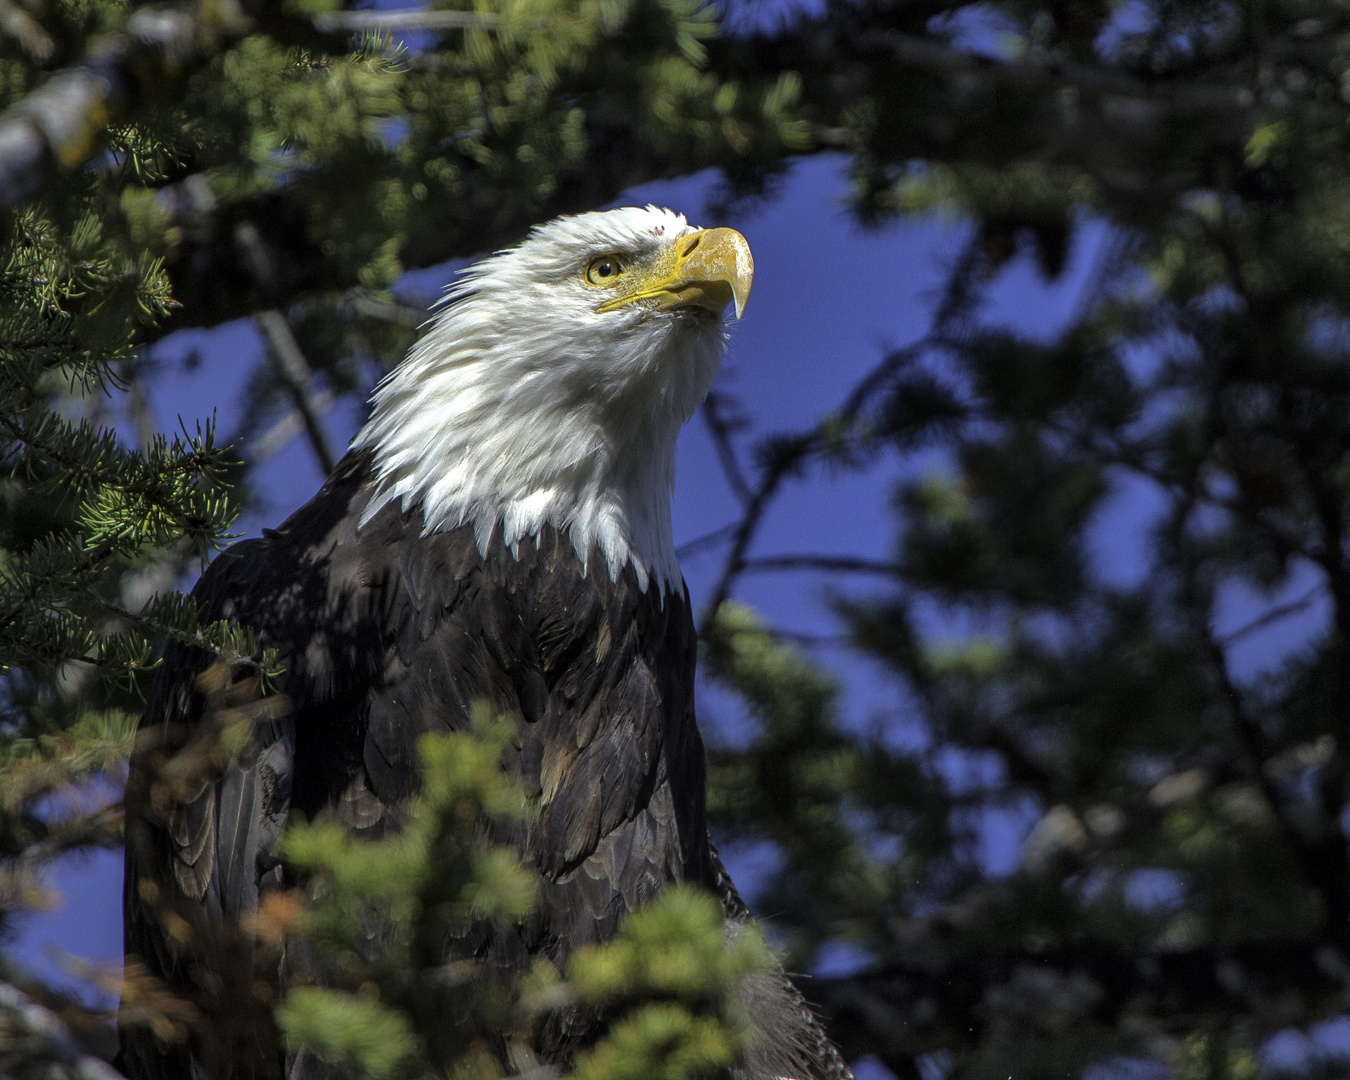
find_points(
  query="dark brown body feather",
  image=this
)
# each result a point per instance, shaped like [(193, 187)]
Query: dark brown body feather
[(386, 634)]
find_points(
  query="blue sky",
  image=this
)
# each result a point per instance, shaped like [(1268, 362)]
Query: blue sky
[(828, 299)]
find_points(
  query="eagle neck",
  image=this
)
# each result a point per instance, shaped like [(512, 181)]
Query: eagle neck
[(513, 446)]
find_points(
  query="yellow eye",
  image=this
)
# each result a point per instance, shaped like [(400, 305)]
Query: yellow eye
[(604, 270)]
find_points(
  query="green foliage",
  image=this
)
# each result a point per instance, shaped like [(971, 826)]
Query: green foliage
[(431, 874), (87, 524), (1179, 798), (673, 949), (386, 156), (794, 784), (380, 913), (660, 1041), (674, 965), (80, 506), (347, 1028)]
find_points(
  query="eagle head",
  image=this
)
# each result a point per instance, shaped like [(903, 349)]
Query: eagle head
[(552, 383)]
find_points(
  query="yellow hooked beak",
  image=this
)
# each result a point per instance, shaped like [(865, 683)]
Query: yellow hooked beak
[(710, 269)]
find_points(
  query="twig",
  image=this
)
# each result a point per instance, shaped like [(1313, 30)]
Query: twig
[(196, 640), (707, 540), (288, 363), (412, 318), (958, 297), (791, 455), (289, 426), (1325, 875), (1274, 615), (833, 563), (720, 430), (138, 406), (812, 641), (1096, 78)]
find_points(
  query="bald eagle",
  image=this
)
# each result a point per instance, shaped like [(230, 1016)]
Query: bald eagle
[(499, 530)]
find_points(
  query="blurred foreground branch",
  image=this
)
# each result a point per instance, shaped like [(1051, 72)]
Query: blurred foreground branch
[(34, 1042), (61, 124)]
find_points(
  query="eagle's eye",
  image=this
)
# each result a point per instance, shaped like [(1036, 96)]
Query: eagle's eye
[(604, 270)]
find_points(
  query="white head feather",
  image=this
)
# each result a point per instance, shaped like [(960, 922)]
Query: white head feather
[(525, 406)]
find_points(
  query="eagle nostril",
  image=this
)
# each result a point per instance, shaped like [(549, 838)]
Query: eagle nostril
[(692, 243)]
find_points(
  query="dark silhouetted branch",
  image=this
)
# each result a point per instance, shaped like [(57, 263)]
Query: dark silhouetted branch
[(292, 371), (411, 318), (719, 427), (905, 1009), (1274, 615), (832, 563), (1094, 78), (784, 456), (708, 540)]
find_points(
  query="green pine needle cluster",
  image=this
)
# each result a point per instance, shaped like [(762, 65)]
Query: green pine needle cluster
[(378, 914), (672, 966), (82, 507)]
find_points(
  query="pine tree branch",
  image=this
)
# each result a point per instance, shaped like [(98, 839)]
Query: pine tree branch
[(289, 426), (1320, 850), (792, 452), (292, 371), (404, 315), (1108, 131), (720, 430), (213, 285), (708, 540), (265, 668), (907, 1008), (1272, 616), (833, 563), (925, 52), (130, 375), (77, 450), (1324, 865), (785, 456)]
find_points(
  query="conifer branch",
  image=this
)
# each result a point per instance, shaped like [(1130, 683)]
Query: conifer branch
[(833, 563), (785, 456), (175, 617), (292, 371), (1273, 615), (720, 428), (708, 540), (287, 427), (906, 1008), (926, 52)]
